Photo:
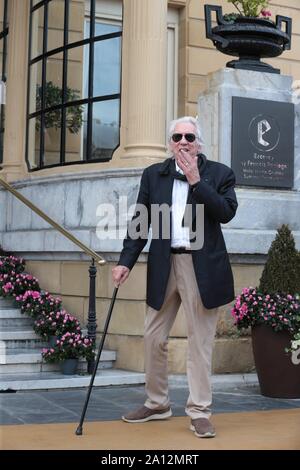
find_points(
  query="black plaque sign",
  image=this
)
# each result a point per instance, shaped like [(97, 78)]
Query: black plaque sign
[(263, 143)]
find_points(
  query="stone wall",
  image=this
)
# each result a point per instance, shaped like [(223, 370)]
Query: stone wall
[(69, 280)]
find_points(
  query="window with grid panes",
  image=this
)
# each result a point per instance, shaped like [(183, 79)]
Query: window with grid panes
[(73, 82)]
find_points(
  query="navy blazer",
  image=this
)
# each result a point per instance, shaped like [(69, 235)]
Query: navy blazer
[(211, 262)]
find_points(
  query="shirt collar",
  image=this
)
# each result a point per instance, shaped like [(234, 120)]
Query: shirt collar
[(178, 169)]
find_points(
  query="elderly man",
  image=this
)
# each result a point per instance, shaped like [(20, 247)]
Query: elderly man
[(180, 270)]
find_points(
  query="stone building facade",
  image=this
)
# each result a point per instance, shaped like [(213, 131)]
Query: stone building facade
[(126, 68)]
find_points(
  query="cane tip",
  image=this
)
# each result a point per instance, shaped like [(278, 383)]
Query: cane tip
[(79, 431)]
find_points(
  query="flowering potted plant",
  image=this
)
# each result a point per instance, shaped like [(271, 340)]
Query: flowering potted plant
[(33, 303), (47, 310), (279, 311), (273, 312), (7, 285), (247, 35), (56, 324), (11, 265), (68, 349), (252, 8), (24, 282), (14, 284)]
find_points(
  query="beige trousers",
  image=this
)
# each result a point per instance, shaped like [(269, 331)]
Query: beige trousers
[(201, 326)]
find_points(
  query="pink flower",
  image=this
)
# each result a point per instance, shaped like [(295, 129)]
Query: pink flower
[(265, 13), (244, 308), (35, 294)]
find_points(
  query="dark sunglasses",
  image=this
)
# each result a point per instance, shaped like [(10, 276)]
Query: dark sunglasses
[(189, 137)]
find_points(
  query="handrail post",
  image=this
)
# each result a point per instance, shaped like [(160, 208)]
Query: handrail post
[(92, 325)]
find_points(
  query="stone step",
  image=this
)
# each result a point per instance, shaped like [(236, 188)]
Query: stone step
[(14, 318), (5, 302), (18, 369), (29, 361), (18, 333), (56, 380), (20, 337), (21, 343), (20, 346), (12, 312), (16, 322), (21, 356)]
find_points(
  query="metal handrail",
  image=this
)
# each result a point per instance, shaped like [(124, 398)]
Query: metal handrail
[(54, 224)]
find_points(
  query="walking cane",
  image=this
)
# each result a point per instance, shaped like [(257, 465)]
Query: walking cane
[(79, 429)]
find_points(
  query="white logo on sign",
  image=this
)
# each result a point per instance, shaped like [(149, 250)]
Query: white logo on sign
[(262, 128), (264, 133), (296, 357)]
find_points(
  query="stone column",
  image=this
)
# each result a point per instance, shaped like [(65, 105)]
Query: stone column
[(144, 80), (14, 165)]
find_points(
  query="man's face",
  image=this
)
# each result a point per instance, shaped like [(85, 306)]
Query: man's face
[(191, 147)]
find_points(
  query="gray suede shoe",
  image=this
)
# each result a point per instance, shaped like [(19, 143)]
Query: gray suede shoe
[(202, 427), (144, 414)]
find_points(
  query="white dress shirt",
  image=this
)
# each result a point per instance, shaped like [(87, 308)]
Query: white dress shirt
[(180, 235)]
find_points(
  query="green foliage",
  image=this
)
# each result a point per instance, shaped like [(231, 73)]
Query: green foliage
[(249, 7), (11, 265), (53, 97), (231, 17), (282, 269)]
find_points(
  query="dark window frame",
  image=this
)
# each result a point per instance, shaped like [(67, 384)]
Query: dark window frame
[(89, 101), (4, 37)]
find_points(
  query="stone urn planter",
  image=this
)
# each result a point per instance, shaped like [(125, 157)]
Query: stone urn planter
[(278, 372), (249, 38)]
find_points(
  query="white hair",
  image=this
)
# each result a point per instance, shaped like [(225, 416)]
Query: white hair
[(190, 120)]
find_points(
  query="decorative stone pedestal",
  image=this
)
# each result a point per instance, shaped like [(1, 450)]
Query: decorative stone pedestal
[(261, 210)]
